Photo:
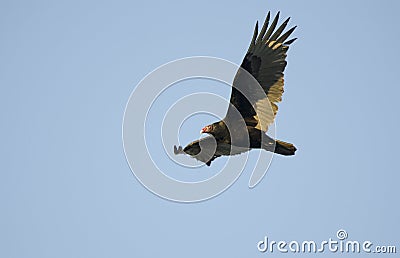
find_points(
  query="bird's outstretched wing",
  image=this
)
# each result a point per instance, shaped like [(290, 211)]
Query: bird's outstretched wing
[(265, 61), (207, 149), (203, 150)]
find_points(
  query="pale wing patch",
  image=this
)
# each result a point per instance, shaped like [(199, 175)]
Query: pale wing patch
[(267, 108), (265, 115), (271, 44)]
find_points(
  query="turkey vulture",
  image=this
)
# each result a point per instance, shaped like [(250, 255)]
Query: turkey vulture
[(253, 106)]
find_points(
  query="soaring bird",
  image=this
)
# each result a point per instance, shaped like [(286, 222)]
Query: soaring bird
[(256, 90)]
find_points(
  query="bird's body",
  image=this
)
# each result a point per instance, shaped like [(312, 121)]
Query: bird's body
[(256, 90)]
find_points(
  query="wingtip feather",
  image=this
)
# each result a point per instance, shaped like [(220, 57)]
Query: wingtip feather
[(290, 41)]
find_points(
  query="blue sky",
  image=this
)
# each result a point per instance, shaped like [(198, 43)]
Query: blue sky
[(67, 70)]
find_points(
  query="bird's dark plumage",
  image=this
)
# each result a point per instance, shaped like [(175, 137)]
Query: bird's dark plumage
[(256, 91)]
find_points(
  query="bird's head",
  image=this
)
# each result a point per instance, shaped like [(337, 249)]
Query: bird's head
[(217, 129), (208, 129)]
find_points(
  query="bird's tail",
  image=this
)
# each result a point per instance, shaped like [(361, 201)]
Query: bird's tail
[(284, 148), (281, 147)]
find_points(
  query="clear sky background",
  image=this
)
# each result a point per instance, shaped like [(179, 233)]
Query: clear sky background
[(67, 70)]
